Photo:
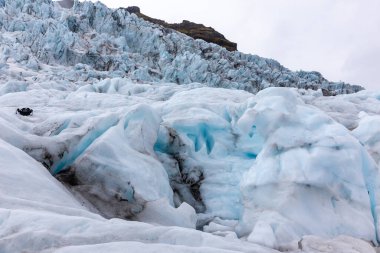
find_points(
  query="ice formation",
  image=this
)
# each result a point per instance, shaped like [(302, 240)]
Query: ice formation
[(145, 164), (126, 46)]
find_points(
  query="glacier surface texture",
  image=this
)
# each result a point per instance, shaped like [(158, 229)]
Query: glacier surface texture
[(144, 139)]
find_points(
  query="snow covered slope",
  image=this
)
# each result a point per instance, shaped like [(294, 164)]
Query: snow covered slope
[(116, 156)]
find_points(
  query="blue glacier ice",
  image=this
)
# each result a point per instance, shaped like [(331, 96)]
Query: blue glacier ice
[(142, 162), (114, 43), (280, 170)]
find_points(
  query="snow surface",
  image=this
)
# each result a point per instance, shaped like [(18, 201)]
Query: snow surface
[(113, 160)]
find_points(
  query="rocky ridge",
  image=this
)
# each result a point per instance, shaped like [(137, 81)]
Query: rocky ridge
[(196, 31)]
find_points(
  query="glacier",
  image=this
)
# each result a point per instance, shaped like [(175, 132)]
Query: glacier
[(143, 138), (250, 168), (124, 45)]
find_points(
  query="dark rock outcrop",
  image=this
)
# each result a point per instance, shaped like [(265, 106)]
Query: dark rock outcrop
[(133, 9), (196, 31)]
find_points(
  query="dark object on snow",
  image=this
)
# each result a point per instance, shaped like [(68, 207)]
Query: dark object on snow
[(24, 111)]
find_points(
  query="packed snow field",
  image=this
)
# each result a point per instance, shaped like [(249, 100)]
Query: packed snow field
[(114, 162)]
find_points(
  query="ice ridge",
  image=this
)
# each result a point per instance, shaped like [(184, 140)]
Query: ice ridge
[(120, 44)]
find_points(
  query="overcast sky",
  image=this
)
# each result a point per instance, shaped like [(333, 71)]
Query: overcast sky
[(339, 38)]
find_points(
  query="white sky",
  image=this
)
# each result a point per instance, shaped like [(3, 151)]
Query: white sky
[(339, 38)]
